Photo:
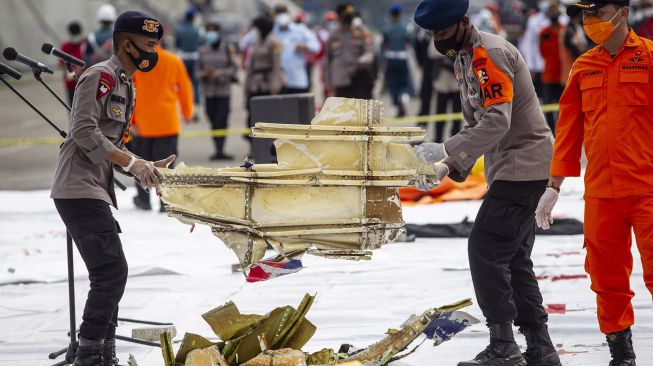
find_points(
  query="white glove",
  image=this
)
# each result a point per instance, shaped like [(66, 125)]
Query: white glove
[(544, 208), (145, 172), (431, 152), (428, 182)]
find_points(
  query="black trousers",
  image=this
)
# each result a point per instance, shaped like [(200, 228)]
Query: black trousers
[(426, 88), (152, 149), (361, 86), (551, 95), (95, 233), (444, 99), (217, 110), (500, 247)]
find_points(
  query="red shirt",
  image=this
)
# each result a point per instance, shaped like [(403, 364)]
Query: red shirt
[(74, 49)]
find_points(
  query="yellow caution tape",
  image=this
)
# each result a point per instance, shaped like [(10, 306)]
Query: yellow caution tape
[(436, 118), (216, 133), (31, 141)]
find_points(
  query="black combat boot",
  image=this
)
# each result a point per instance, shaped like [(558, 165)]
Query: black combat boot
[(621, 348), (89, 353), (540, 350), (110, 358), (502, 351)]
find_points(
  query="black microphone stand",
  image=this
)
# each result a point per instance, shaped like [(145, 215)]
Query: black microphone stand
[(37, 76), (22, 97), (71, 349)]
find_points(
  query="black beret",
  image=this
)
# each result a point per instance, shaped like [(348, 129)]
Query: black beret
[(138, 23), (440, 14), (574, 9)]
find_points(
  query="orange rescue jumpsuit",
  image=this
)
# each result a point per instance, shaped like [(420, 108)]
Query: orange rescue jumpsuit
[(159, 95), (607, 107)]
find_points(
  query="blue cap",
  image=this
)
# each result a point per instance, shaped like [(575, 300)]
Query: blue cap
[(395, 8), (440, 14), (138, 23), (190, 12)]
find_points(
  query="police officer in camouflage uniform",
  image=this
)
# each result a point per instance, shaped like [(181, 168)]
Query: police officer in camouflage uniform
[(82, 188)]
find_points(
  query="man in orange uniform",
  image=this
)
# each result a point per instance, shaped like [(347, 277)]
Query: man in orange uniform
[(550, 50), (156, 122), (607, 107)]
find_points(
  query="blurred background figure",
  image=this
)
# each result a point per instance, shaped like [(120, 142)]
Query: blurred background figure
[(245, 43), (162, 94), (422, 41), (99, 44), (529, 44), (573, 43), (300, 18), (217, 70), (448, 93), (549, 40), (263, 67), (349, 58), (643, 19), (296, 40), (489, 20), (329, 24), (74, 46), (396, 43), (187, 42)]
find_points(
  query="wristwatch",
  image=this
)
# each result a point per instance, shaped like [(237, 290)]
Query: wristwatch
[(557, 189)]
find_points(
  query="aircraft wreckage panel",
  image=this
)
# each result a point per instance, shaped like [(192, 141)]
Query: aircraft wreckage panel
[(288, 206), (333, 192), (226, 202)]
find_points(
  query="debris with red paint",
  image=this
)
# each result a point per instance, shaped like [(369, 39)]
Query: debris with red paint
[(568, 277), (562, 351), (268, 269), (556, 308), (558, 255)]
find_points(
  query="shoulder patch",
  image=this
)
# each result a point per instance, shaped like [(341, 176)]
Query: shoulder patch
[(496, 86), (105, 84)]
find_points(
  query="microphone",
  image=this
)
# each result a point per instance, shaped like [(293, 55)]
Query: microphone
[(10, 54), (6, 70), (49, 49)]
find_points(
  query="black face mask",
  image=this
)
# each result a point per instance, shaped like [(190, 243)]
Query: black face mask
[(452, 45), (146, 61)]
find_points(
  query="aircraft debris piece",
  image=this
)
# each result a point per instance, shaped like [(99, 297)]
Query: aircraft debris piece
[(277, 339), (332, 193)]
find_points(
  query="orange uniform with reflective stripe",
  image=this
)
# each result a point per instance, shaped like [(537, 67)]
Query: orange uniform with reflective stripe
[(160, 94), (607, 107)]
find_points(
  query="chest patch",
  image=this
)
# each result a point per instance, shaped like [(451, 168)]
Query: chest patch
[(118, 99), (105, 84), (634, 67)]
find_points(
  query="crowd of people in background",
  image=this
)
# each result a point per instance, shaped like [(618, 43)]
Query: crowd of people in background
[(283, 52)]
